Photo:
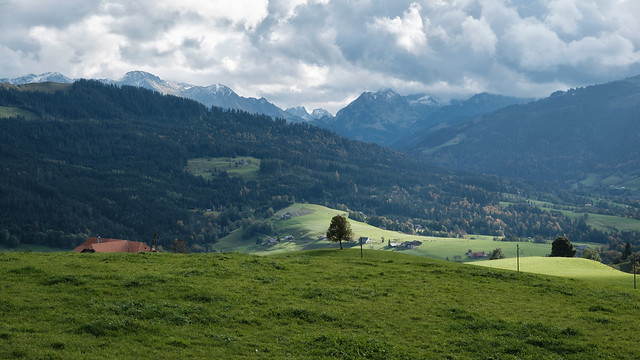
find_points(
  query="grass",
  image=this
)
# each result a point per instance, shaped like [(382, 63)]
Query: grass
[(575, 268), (245, 167), (325, 304), (12, 112), (308, 222), (601, 222)]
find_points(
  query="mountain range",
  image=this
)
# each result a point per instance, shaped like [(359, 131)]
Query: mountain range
[(580, 137), (213, 95), (393, 120), (586, 137), (383, 117)]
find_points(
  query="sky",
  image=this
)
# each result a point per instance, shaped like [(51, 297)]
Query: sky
[(325, 53)]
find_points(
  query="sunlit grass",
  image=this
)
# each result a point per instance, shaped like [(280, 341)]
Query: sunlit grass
[(309, 221), (575, 268), (328, 304)]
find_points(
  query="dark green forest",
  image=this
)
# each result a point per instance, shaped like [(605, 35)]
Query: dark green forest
[(95, 159)]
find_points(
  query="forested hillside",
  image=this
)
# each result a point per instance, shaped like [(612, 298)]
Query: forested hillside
[(586, 137), (87, 159)]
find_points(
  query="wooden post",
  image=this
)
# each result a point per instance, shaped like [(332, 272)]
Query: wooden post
[(360, 246), (518, 256)]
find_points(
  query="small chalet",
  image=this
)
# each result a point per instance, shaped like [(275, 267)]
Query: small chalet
[(364, 240), (104, 245)]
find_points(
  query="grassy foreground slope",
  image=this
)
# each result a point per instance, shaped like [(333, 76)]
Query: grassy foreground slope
[(318, 304), (576, 268), (309, 221)]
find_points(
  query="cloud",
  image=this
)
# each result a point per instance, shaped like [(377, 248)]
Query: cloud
[(315, 52), (408, 30)]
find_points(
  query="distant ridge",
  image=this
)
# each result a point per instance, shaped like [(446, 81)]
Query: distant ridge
[(213, 95), (389, 119), (591, 132), (32, 78)]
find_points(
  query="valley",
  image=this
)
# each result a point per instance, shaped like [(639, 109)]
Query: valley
[(218, 179)]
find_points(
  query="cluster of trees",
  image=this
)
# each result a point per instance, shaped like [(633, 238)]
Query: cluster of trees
[(104, 160)]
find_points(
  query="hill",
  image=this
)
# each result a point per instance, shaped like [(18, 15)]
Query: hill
[(575, 268), (318, 304), (581, 138), (92, 159), (306, 224)]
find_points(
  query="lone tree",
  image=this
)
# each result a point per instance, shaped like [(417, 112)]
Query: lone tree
[(562, 247), (339, 230)]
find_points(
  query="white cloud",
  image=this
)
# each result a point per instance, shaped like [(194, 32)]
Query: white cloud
[(313, 52), (408, 30), (479, 35)]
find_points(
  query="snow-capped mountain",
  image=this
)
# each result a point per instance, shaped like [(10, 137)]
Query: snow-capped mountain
[(316, 114), (382, 117), (390, 119), (213, 95), (32, 78)]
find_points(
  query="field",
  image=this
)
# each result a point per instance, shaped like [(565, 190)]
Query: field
[(308, 222), (575, 268), (10, 112), (245, 167), (602, 222), (327, 304)]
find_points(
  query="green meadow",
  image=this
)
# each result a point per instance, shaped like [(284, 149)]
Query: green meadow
[(599, 221), (574, 268), (320, 304), (245, 167), (11, 112), (308, 222)]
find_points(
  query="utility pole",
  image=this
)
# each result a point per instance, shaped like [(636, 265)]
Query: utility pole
[(518, 256)]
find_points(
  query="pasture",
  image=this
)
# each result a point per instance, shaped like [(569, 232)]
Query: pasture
[(574, 268), (245, 167), (321, 304), (308, 222)]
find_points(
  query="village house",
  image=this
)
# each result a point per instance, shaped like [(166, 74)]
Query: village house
[(476, 254), (104, 245)]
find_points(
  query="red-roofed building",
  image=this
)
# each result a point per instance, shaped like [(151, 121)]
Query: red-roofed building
[(111, 245)]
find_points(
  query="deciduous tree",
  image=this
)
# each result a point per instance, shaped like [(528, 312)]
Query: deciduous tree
[(562, 247), (497, 254), (339, 230)]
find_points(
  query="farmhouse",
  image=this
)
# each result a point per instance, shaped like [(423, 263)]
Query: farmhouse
[(104, 245), (476, 254)]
